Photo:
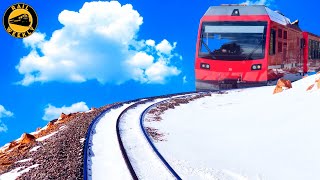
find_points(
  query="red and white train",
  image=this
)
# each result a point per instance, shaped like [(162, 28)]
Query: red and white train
[(239, 46)]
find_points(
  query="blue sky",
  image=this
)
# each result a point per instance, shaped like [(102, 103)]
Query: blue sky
[(105, 53)]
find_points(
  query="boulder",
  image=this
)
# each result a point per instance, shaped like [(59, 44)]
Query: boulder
[(50, 125), (63, 115), (282, 84), (27, 138), (277, 89), (318, 84)]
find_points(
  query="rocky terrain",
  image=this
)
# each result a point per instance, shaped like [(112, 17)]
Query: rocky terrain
[(53, 152)]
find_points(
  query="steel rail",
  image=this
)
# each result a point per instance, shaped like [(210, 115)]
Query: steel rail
[(87, 149)]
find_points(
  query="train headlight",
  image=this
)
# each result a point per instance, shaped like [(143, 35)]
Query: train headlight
[(204, 66), (256, 67)]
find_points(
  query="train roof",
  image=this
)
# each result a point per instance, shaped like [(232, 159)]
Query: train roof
[(311, 34), (248, 10)]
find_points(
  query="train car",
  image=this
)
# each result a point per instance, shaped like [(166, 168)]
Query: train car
[(241, 46)]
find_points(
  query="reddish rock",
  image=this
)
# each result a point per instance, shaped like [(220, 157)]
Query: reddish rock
[(62, 116), (12, 145), (277, 89), (50, 125), (281, 85), (318, 84), (27, 138), (310, 87)]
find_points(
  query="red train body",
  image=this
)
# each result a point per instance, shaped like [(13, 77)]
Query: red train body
[(239, 46)]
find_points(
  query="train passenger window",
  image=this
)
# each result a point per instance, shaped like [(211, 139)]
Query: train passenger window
[(279, 33), (285, 35), (309, 49), (272, 45), (302, 43), (279, 47)]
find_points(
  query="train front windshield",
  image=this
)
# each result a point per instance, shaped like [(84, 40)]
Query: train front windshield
[(233, 40)]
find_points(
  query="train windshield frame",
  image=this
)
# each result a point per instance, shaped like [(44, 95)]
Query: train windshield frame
[(233, 40)]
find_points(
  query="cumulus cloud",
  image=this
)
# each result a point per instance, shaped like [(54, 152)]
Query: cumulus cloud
[(52, 112), (257, 2), (99, 42), (3, 114)]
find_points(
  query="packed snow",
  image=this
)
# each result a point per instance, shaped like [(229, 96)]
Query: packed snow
[(245, 134), (145, 162), (24, 160), (107, 160), (34, 148), (47, 136), (15, 173)]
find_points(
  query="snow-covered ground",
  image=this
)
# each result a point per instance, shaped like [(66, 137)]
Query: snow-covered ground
[(245, 134), (145, 162), (107, 160), (16, 172)]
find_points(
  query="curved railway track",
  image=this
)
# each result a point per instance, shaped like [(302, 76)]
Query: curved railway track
[(87, 171)]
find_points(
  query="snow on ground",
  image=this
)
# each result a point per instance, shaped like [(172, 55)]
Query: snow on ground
[(145, 162), (245, 134), (36, 132), (4, 147), (34, 148), (24, 160), (47, 136), (16, 172), (107, 160), (82, 140)]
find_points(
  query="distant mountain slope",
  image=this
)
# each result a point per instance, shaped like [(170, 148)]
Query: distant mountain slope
[(53, 152)]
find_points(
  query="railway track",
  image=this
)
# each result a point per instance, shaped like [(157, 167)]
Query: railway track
[(147, 103)]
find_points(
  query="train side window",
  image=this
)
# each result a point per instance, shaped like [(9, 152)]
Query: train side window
[(272, 45), (279, 47), (318, 51), (309, 49), (285, 35), (302, 43), (279, 33)]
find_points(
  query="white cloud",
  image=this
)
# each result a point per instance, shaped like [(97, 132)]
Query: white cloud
[(34, 40), (150, 42), (165, 47), (257, 2), (184, 79), (4, 113), (99, 42), (51, 112)]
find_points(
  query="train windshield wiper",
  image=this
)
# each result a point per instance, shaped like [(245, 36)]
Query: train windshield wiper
[(208, 49), (255, 48)]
